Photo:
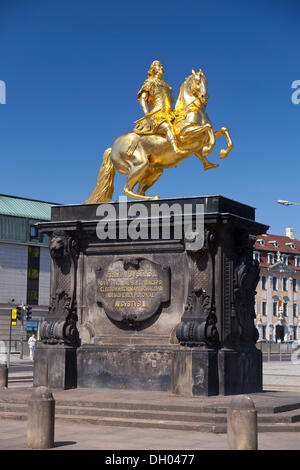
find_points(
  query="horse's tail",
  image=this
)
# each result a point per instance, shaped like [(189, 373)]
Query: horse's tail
[(104, 189)]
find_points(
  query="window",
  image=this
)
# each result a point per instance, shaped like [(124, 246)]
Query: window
[(271, 258), (285, 260), (284, 284), (294, 285), (285, 309), (295, 332), (294, 310), (274, 280), (274, 309), (256, 256), (292, 245), (297, 262), (264, 308), (33, 232), (264, 332), (33, 269), (263, 282)]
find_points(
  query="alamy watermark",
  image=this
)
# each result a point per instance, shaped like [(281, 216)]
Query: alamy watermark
[(296, 94), (2, 92), (151, 221)]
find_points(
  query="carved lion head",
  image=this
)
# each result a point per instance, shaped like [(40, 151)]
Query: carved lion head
[(57, 245)]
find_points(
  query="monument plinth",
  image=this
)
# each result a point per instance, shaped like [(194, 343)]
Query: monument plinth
[(169, 312)]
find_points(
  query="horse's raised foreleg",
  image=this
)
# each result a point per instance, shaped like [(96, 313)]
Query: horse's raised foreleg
[(224, 131), (193, 133)]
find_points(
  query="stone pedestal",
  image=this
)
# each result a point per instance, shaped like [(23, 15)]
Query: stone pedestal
[(195, 372), (126, 367), (55, 367), (240, 371), (165, 306)]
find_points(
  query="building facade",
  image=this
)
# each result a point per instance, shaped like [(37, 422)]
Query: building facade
[(278, 290), (24, 265)]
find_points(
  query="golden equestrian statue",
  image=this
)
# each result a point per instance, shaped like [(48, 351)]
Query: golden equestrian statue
[(162, 138)]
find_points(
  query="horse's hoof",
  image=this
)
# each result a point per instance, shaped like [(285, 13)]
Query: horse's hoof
[(223, 153), (211, 166)]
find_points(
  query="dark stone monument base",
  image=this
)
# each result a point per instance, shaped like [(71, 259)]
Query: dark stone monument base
[(184, 371), (55, 367), (125, 367), (195, 372), (240, 371), (161, 312)]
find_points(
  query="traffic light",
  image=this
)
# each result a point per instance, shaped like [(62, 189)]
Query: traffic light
[(28, 313), (14, 316), (19, 312)]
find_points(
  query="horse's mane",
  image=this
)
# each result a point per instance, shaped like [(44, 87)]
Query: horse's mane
[(178, 105)]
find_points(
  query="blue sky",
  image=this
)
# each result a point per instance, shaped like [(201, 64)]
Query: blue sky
[(73, 68)]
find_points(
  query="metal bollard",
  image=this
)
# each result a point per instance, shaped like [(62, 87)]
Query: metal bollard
[(242, 424), (41, 416), (3, 376)]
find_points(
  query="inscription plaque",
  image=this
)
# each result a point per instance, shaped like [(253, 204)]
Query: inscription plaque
[(132, 290)]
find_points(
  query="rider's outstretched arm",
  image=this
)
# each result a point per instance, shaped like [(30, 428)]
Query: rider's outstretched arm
[(143, 102)]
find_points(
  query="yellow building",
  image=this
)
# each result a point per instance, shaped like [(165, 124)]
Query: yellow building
[(278, 291)]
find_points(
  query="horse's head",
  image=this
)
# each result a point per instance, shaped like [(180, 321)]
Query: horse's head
[(198, 84), (192, 90)]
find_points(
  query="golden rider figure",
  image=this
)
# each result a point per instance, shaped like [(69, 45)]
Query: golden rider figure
[(156, 100)]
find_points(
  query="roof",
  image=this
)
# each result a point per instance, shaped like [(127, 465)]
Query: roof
[(284, 244), (27, 208), (284, 247)]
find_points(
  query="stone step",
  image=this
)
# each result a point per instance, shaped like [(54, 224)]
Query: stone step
[(186, 417), (123, 422), (16, 415), (154, 424), (155, 402), (220, 428), (122, 413), (283, 417), (149, 415), (24, 378)]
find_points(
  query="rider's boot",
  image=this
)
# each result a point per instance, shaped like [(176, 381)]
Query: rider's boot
[(172, 140)]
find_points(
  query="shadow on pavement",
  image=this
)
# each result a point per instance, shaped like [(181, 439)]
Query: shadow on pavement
[(64, 443)]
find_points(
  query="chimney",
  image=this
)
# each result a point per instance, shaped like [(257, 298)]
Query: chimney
[(289, 232)]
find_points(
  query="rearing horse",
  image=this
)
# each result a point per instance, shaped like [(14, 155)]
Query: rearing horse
[(143, 157)]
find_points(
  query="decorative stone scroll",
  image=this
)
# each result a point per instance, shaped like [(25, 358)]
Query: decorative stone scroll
[(132, 290), (64, 254)]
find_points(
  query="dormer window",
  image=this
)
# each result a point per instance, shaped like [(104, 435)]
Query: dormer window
[(274, 243), (260, 241), (292, 245)]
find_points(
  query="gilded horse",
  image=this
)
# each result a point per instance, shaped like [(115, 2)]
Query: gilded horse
[(143, 157)]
